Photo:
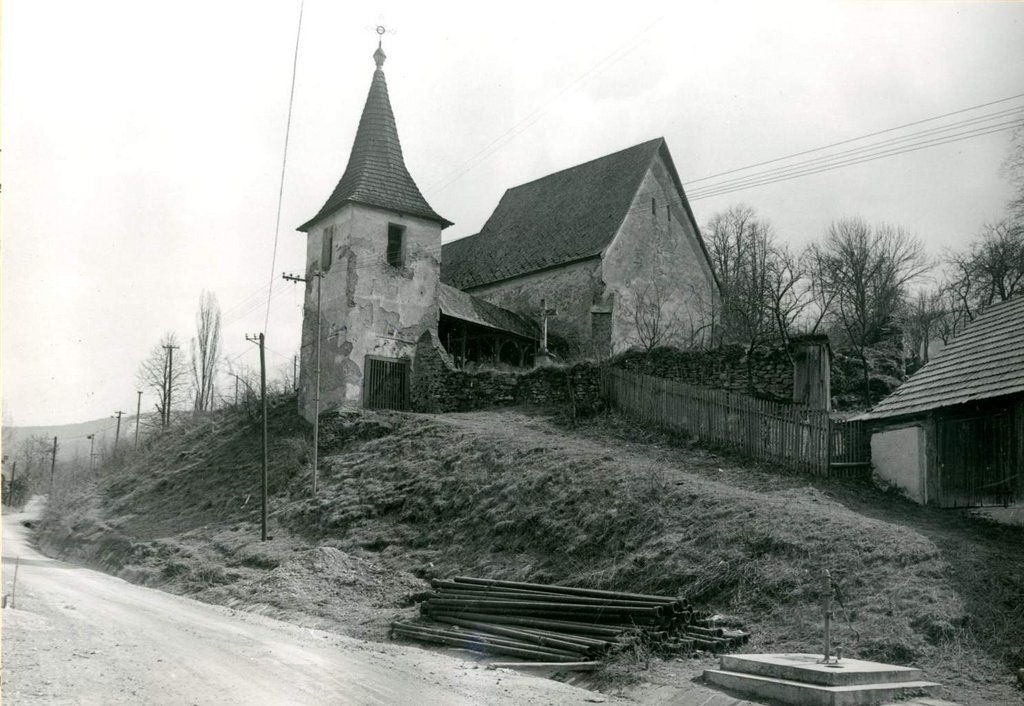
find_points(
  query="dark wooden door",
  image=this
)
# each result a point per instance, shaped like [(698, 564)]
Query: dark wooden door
[(975, 460), (386, 383)]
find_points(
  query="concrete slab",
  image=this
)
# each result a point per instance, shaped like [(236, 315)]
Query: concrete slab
[(807, 669), (801, 694)]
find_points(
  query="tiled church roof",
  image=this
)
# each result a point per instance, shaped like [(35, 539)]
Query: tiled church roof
[(566, 216), (376, 174), (462, 305)]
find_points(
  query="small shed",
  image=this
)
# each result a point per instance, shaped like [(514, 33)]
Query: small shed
[(952, 435)]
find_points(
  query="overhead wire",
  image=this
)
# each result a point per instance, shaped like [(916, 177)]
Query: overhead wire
[(845, 163), (861, 137), (872, 146), (284, 164)]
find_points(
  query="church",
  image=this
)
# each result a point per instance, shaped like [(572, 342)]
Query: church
[(573, 260)]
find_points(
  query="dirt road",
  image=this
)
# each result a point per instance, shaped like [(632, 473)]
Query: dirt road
[(77, 636)]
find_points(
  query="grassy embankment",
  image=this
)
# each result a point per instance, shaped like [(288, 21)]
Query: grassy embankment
[(511, 495)]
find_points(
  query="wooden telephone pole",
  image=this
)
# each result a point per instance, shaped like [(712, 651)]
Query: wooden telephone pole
[(10, 486), (316, 394), (168, 383), (138, 413), (263, 397), (117, 434), (53, 464)]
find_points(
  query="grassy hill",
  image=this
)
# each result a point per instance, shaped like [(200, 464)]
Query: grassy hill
[(510, 494)]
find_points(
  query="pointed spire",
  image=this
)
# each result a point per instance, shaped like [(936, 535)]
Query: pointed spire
[(376, 174)]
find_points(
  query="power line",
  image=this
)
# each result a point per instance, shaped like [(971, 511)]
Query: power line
[(862, 137), (284, 164), (840, 165), (870, 147)]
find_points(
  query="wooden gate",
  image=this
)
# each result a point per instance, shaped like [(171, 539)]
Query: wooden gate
[(385, 383), (974, 458)]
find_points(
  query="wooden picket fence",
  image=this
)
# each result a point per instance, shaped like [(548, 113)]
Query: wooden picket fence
[(793, 435)]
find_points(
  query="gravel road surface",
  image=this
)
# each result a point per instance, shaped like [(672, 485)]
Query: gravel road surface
[(76, 636)]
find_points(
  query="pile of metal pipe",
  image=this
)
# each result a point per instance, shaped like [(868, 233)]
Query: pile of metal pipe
[(558, 624)]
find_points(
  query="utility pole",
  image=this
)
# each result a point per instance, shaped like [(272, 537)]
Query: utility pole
[(316, 394), (10, 486), (138, 413), (236, 388), (117, 434), (168, 382), (53, 464), (263, 398), (92, 443), (295, 372)]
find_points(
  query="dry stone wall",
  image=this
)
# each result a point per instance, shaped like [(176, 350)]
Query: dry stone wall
[(767, 374), (437, 386)]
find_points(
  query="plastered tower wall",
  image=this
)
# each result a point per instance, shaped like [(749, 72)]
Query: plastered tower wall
[(368, 307)]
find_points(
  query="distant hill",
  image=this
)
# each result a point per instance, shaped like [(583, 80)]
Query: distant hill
[(72, 438)]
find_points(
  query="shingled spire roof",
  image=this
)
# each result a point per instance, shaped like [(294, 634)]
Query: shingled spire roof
[(376, 174)]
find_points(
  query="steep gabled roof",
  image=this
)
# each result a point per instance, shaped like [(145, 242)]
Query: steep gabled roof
[(985, 361), (563, 217), (464, 306), (376, 174)]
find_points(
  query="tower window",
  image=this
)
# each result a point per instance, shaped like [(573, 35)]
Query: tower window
[(327, 251), (654, 208), (668, 212), (396, 236)]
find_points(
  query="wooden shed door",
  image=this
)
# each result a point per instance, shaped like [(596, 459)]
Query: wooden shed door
[(385, 383), (975, 457)]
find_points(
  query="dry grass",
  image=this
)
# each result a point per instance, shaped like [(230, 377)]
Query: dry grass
[(512, 495)]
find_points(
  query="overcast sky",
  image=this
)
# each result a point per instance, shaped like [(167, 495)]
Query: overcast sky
[(142, 142)]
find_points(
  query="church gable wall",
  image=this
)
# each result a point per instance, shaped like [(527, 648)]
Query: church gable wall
[(656, 251)]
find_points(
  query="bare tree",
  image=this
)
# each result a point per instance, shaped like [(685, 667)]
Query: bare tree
[(989, 270), (1013, 168), (205, 348), (924, 319), (866, 271), (647, 307), (739, 244), (764, 286), (165, 375)]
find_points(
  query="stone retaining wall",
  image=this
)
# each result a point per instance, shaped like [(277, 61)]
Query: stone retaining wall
[(767, 374), (437, 386)]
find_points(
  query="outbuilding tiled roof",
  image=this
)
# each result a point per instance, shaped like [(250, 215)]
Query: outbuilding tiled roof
[(566, 216), (376, 174), (985, 361), (460, 305)]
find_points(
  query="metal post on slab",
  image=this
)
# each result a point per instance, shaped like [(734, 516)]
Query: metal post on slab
[(827, 607)]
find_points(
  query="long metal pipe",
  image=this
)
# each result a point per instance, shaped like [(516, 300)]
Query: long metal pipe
[(544, 623), (489, 639), (565, 589), (544, 607), (551, 598), (486, 647), (543, 640)]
